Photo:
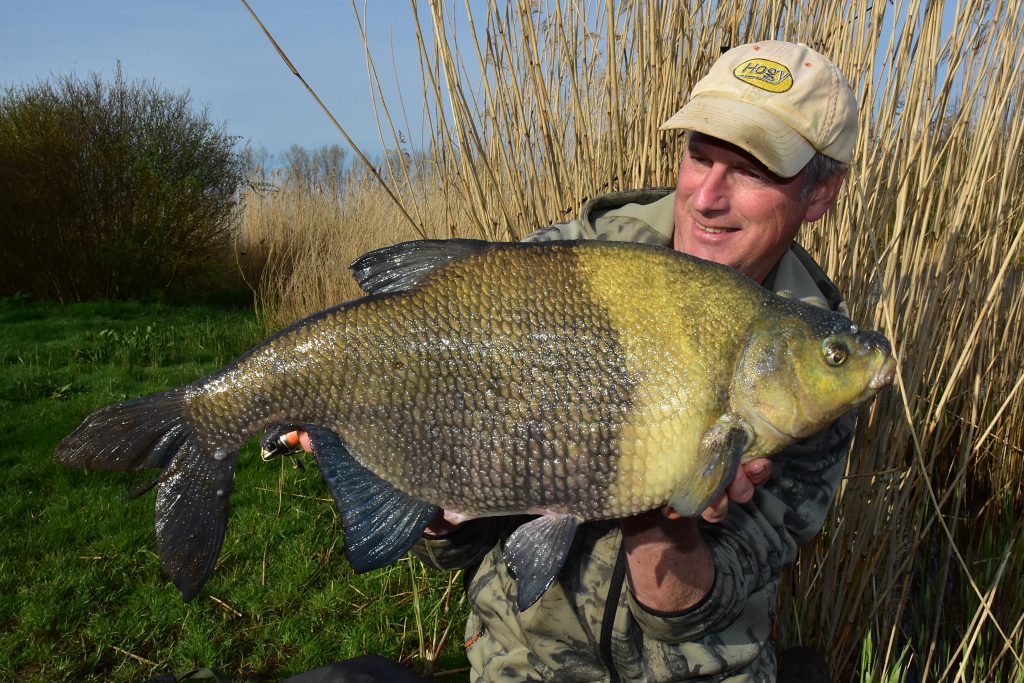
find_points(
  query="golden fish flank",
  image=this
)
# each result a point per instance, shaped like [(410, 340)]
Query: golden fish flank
[(681, 357), (494, 379)]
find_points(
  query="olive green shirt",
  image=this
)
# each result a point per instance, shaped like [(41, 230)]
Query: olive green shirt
[(588, 626)]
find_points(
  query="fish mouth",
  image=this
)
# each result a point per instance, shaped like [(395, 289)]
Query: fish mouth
[(885, 375), (882, 378)]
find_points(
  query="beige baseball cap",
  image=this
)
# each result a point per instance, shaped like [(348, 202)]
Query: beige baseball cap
[(782, 102)]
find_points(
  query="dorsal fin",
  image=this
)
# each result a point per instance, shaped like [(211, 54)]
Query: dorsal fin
[(401, 266)]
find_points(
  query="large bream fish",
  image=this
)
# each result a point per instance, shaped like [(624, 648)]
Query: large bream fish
[(572, 380)]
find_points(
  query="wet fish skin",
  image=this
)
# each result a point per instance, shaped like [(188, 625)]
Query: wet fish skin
[(490, 379)]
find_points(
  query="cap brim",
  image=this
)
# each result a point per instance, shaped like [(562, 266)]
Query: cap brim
[(784, 151)]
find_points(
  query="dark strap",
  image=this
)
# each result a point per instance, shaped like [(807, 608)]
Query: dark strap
[(364, 669), (611, 607)]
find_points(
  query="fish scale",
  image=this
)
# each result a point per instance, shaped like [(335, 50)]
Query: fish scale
[(499, 379), (458, 455)]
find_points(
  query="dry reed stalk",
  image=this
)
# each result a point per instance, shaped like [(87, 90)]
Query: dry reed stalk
[(305, 239)]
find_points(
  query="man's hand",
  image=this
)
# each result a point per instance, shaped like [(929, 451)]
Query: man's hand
[(669, 567), (741, 490)]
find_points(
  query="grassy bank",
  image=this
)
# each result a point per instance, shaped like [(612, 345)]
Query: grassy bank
[(82, 596)]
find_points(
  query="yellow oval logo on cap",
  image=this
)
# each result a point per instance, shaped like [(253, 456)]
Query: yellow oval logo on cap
[(765, 74)]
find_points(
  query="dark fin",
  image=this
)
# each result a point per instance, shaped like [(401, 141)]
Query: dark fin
[(536, 551), (399, 267), (381, 523), (192, 514), (722, 449), (132, 435), (192, 492)]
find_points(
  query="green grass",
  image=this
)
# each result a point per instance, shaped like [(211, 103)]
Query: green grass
[(82, 596)]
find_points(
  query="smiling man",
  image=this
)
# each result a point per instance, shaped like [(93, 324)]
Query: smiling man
[(732, 209), (658, 597)]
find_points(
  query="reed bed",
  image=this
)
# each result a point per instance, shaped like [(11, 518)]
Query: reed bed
[(536, 107), (297, 240)]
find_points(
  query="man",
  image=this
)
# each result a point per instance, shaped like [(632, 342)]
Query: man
[(770, 130), (661, 597)]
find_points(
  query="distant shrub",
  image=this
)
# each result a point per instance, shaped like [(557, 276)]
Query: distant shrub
[(112, 190)]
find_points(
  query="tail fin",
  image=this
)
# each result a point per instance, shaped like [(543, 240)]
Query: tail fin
[(143, 432), (193, 490)]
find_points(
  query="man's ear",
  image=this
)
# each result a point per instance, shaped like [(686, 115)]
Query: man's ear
[(823, 197)]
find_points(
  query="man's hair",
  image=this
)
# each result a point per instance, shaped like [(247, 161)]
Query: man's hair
[(819, 169)]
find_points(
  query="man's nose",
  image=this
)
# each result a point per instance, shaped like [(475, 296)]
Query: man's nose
[(712, 192)]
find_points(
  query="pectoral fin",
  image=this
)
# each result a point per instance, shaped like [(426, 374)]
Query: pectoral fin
[(721, 449), (535, 553)]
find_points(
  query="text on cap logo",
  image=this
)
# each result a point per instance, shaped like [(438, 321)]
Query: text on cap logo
[(765, 74)]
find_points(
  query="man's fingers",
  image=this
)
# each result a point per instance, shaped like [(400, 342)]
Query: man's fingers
[(758, 470), (670, 512), (717, 511), (295, 439), (740, 489), (443, 524)]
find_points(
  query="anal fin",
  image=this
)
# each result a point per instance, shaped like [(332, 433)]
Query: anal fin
[(381, 523), (535, 553)]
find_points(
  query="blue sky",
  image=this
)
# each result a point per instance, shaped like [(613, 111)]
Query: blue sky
[(215, 50)]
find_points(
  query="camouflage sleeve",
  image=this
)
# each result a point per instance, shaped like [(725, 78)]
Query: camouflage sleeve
[(760, 538), (571, 230)]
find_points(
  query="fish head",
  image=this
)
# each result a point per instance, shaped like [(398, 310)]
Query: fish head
[(803, 368)]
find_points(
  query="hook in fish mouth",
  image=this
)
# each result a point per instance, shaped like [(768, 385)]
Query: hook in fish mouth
[(283, 445)]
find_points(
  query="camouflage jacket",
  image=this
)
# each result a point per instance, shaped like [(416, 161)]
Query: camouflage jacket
[(588, 626)]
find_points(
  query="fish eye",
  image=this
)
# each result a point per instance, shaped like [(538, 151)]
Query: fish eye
[(835, 352)]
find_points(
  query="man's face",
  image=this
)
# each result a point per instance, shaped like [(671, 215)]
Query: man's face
[(732, 210)]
